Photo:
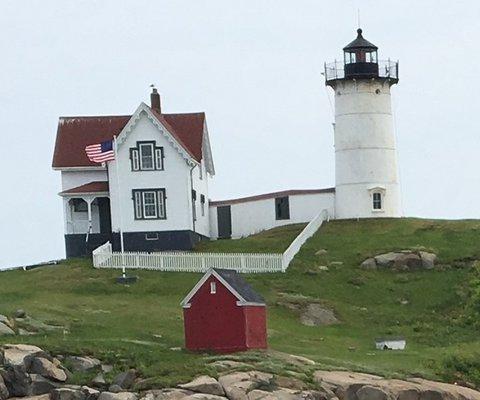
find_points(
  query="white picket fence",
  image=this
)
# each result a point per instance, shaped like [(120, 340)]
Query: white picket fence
[(104, 257)]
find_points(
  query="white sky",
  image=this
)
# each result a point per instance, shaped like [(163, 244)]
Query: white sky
[(254, 67)]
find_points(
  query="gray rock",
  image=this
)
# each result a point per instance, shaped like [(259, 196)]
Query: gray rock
[(99, 381), (369, 264), (408, 394), (115, 388), (41, 385), (67, 394), (371, 393), (117, 396), (6, 330), (16, 380), (15, 354), (39, 397), (317, 315), (125, 379), (204, 384), (20, 313), (83, 364), (106, 368), (290, 383), (428, 259), (204, 396), (90, 393), (408, 262), (166, 394), (4, 394), (387, 259), (6, 321), (47, 369)]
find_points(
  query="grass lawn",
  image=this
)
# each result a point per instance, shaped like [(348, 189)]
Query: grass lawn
[(141, 326)]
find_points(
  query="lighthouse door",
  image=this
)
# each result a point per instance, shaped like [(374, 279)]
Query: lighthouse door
[(224, 219)]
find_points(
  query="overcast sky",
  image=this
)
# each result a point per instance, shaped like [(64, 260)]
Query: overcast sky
[(255, 68)]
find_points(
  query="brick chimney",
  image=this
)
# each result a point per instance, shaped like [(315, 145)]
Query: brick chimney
[(155, 101)]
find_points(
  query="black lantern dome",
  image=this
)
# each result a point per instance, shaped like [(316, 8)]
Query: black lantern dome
[(360, 58)]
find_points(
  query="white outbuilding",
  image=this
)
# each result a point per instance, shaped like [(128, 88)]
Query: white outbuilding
[(390, 343)]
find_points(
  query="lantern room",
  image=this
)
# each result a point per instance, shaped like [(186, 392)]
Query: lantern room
[(360, 58), (360, 61)]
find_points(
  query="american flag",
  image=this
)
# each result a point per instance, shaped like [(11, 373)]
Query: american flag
[(100, 152)]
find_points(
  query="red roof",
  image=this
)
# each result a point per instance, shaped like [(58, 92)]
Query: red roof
[(273, 195), (75, 133), (92, 187)]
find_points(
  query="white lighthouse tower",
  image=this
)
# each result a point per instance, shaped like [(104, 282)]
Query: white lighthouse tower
[(366, 172)]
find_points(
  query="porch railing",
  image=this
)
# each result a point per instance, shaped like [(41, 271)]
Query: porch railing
[(104, 257)]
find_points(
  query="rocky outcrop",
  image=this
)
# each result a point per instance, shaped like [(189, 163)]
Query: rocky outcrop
[(204, 384), (358, 386), (29, 373), (405, 260)]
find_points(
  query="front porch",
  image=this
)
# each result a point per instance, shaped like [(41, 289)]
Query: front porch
[(87, 218)]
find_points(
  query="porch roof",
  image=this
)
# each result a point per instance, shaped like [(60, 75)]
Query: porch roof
[(95, 187)]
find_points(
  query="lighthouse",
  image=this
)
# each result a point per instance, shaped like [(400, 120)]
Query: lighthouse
[(366, 172)]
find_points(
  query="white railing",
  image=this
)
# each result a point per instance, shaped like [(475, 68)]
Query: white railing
[(304, 235), (104, 257)]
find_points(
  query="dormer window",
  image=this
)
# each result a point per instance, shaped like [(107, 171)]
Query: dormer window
[(146, 157)]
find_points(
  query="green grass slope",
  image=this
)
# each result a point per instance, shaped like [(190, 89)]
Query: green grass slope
[(142, 326)]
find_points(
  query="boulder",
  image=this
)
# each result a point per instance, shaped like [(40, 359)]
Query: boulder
[(358, 386), (99, 381), (126, 379), (90, 393), (317, 315), (6, 321), (20, 313), (290, 383), (369, 264), (39, 397), (16, 380), (47, 369), (6, 330), (117, 396), (204, 384), (368, 392), (166, 394), (408, 261), (83, 364), (67, 394), (4, 394), (115, 388), (204, 396), (15, 354), (41, 385), (386, 260), (428, 259)]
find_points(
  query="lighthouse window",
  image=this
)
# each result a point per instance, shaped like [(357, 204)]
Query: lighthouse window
[(377, 201)]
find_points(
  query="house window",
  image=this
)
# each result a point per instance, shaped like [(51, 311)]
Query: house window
[(149, 203), (79, 205), (194, 208), (202, 204), (146, 157), (213, 287), (282, 208), (377, 201)]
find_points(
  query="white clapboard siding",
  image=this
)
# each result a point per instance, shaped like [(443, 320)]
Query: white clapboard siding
[(104, 257)]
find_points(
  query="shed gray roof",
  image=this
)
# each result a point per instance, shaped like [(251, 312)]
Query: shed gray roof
[(240, 285)]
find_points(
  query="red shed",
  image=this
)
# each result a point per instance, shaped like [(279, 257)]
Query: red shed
[(223, 313)]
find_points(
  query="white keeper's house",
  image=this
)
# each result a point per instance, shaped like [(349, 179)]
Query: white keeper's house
[(156, 189)]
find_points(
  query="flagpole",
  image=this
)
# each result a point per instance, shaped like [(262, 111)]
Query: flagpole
[(119, 198)]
